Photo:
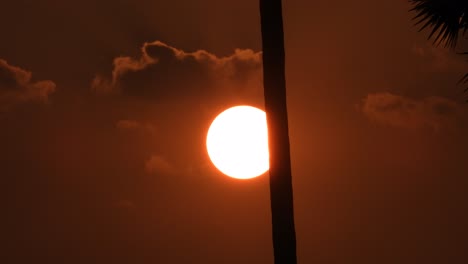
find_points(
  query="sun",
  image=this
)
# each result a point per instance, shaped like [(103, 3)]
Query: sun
[(237, 142)]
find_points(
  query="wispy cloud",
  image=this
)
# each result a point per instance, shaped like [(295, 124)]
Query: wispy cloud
[(17, 86), (400, 111), (133, 125), (439, 59), (164, 71), (157, 164)]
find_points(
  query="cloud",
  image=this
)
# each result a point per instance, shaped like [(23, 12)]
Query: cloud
[(399, 111), (133, 125), (124, 204), (163, 72), (439, 59), (157, 164), (127, 124), (16, 87)]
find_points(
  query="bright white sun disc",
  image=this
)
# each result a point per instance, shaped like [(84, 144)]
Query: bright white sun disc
[(237, 142)]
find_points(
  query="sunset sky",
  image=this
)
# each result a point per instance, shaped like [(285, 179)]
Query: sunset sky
[(105, 106)]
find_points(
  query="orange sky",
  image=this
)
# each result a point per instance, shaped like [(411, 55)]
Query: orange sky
[(104, 109)]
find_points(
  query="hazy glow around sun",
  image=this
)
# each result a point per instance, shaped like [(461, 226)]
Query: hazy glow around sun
[(237, 142)]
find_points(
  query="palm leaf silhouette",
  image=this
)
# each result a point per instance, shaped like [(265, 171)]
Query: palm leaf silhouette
[(447, 18)]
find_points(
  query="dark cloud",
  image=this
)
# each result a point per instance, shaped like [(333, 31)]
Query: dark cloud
[(165, 72), (399, 111), (17, 86)]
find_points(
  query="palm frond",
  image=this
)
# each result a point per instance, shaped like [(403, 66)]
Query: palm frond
[(446, 18), (464, 79)]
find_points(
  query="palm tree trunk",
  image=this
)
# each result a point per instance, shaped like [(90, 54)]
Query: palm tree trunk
[(281, 194)]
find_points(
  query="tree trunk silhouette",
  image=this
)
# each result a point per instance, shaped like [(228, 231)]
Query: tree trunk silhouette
[(274, 82)]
